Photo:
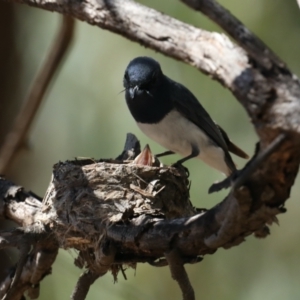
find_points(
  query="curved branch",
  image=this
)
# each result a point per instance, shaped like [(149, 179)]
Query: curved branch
[(143, 232), (239, 32), (16, 137), (212, 53), (160, 32)]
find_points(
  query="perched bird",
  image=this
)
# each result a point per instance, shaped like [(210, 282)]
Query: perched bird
[(168, 113)]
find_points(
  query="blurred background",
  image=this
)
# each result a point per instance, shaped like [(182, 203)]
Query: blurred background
[(85, 115)]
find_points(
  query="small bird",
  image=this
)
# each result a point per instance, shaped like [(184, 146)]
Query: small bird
[(168, 113)]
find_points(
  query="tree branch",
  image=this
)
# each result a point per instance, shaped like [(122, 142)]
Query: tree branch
[(145, 210), (33, 265), (18, 134), (179, 274), (161, 33), (105, 259), (235, 28), (212, 53)]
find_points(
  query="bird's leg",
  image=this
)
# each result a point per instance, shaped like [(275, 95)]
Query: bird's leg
[(224, 184), (165, 153), (195, 152), (239, 177)]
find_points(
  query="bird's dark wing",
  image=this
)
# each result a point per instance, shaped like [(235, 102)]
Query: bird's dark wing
[(188, 105)]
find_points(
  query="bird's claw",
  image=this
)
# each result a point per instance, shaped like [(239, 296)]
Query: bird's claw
[(179, 166), (224, 184)]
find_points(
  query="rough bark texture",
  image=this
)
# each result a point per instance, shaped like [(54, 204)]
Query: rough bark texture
[(78, 210), (268, 90), (38, 248)]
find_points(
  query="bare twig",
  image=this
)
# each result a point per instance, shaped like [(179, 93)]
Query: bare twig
[(18, 134), (179, 274), (106, 257), (83, 285)]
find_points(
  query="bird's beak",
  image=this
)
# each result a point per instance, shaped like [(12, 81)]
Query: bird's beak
[(132, 91)]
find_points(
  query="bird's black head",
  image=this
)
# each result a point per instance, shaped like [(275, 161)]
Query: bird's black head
[(143, 75), (147, 90)]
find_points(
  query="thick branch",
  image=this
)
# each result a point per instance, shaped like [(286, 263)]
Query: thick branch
[(159, 32), (137, 226), (212, 53), (117, 213)]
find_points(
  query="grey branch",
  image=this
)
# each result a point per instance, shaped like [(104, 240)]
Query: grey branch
[(240, 33), (212, 53), (160, 32)]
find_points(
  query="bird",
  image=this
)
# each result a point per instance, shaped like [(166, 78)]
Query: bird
[(168, 113)]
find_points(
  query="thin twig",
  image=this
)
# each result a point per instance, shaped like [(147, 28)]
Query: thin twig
[(106, 256), (19, 132), (83, 285), (179, 274)]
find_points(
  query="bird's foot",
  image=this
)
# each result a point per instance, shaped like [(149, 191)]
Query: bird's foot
[(180, 166), (224, 184)]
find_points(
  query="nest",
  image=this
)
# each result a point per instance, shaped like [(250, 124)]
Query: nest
[(85, 197)]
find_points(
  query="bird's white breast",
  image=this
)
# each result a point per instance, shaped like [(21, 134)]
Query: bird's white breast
[(176, 133)]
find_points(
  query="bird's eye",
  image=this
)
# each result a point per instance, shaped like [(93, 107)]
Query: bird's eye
[(126, 77)]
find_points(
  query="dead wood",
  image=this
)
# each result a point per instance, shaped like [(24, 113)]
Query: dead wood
[(117, 213)]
